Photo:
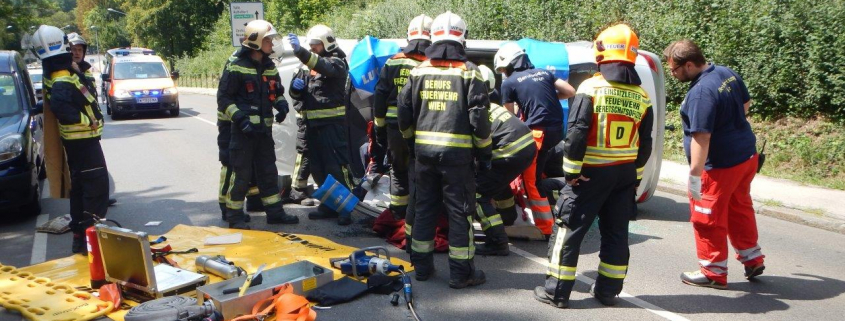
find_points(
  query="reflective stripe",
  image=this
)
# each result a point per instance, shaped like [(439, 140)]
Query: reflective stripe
[(255, 119), (221, 194), (715, 267), (612, 152), (329, 192), (234, 205), (602, 129), (496, 111), (613, 271), (488, 222), (271, 72), (500, 204), (398, 200), (447, 71), (560, 272), (324, 113), (572, 166), (392, 112), (223, 117), (592, 160), (408, 132), (252, 191), (408, 229), (482, 142), (312, 61), (402, 62), (557, 250), (640, 171), (346, 176), (346, 200), (243, 70), (268, 122), (379, 122), (272, 199), (514, 147), (461, 253), (749, 254), (298, 167), (231, 110), (443, 139), (422, 246)]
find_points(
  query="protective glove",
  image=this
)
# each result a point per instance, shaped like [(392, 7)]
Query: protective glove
[(381, 136), (694, 187), (294, 41), (283, 108), (223, 156), (246, 127), (298, 84)]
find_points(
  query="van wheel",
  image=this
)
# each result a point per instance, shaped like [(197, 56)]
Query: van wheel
[(174, 112), (116, 116)]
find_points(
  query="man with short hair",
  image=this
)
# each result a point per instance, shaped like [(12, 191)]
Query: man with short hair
[(721, 150)]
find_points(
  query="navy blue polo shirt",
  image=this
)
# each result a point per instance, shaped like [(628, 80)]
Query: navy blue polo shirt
[(534, 91), (714, 104)]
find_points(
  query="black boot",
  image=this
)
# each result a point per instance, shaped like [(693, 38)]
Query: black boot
[(276, 215), (236, 219), (253, 204), (606, 300), (423, 265), (79, 246), (541, 295), (323, 212), (496, 243), (247, 218), (476, 277)]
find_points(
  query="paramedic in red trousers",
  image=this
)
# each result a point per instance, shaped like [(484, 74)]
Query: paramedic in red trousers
[(444, 109), (513, 151), (608, 142), (537, 94), (721, 150), (393, 77)]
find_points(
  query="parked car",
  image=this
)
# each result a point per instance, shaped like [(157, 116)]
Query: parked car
[(136, 80), (21, 138), (582, 66), (36, 76)]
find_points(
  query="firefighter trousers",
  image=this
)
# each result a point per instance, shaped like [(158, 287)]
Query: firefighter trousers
[(253, 156), (328, 155), (399, 159), (302, 167), (89, 182), (493, 187), (546, 139), (227, 178), (610, 196), (452, 188), (724, 212)]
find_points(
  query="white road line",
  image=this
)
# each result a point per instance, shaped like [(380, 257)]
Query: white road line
[(624, 296), (39, 243), (200, 118)]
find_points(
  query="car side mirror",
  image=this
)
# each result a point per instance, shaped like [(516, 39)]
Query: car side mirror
[(174, 74), (105, 77), (38, 108)]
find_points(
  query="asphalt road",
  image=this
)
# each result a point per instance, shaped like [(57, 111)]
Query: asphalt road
[(166, 169)]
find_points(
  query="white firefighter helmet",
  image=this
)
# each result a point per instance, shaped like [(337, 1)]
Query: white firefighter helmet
[(506, 55), (256, 31), (489, 77), (448, 26), (75, 39), (49, 41), (322, 34), (420, 28)]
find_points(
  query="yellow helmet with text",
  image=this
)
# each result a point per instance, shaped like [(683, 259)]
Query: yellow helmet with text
[(617, 43)]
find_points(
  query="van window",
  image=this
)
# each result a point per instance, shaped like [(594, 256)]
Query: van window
[(139, 70), (35, 77), (9, 102)]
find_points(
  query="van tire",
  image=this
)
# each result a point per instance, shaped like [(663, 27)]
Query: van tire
[(174, 112)]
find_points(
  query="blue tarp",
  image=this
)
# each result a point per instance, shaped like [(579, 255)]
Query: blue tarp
[(366, 60), (551, 56)]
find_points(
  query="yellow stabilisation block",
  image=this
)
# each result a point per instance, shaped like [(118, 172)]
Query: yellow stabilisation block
[(38, 298), (256, 248)]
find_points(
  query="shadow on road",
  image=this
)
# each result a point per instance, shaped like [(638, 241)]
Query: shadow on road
[(124, 129), (767, 294), (663, 209)]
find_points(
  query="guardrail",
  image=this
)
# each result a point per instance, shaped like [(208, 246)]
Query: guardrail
[(199, 81)]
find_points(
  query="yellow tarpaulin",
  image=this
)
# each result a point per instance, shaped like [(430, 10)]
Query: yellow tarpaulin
[(256, 248)]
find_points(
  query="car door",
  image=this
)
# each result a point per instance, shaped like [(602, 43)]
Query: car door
[(36, 122)]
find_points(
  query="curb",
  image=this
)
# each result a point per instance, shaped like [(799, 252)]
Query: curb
[(778, 212)]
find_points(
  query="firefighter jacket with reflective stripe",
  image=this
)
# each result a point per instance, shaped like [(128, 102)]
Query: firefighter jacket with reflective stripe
[(393, 77), (75, 106), (444, 108), (85, 68), (250, 90), (610, 123), (324, 96), (510, 135)]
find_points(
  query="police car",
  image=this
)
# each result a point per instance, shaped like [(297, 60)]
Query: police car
[(582, 66), (135, 80)]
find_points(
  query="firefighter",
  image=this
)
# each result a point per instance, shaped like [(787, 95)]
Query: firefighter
[(393, 77), (444, 108), (302, 168), (513, 151), (323, 93), (78, 48), (80, 127), (608, 142), (227, 173), (537, 93), (249, 90)]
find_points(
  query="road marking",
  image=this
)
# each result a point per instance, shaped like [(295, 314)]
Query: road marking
[(200, 118), (587, 280), (39, 243)]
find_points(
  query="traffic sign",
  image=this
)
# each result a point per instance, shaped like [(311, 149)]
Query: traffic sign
[(241, 13)]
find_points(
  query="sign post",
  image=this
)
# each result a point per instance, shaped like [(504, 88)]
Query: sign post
[(241, 13)]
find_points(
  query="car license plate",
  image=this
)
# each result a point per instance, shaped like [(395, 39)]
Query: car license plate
[(147, 100)]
